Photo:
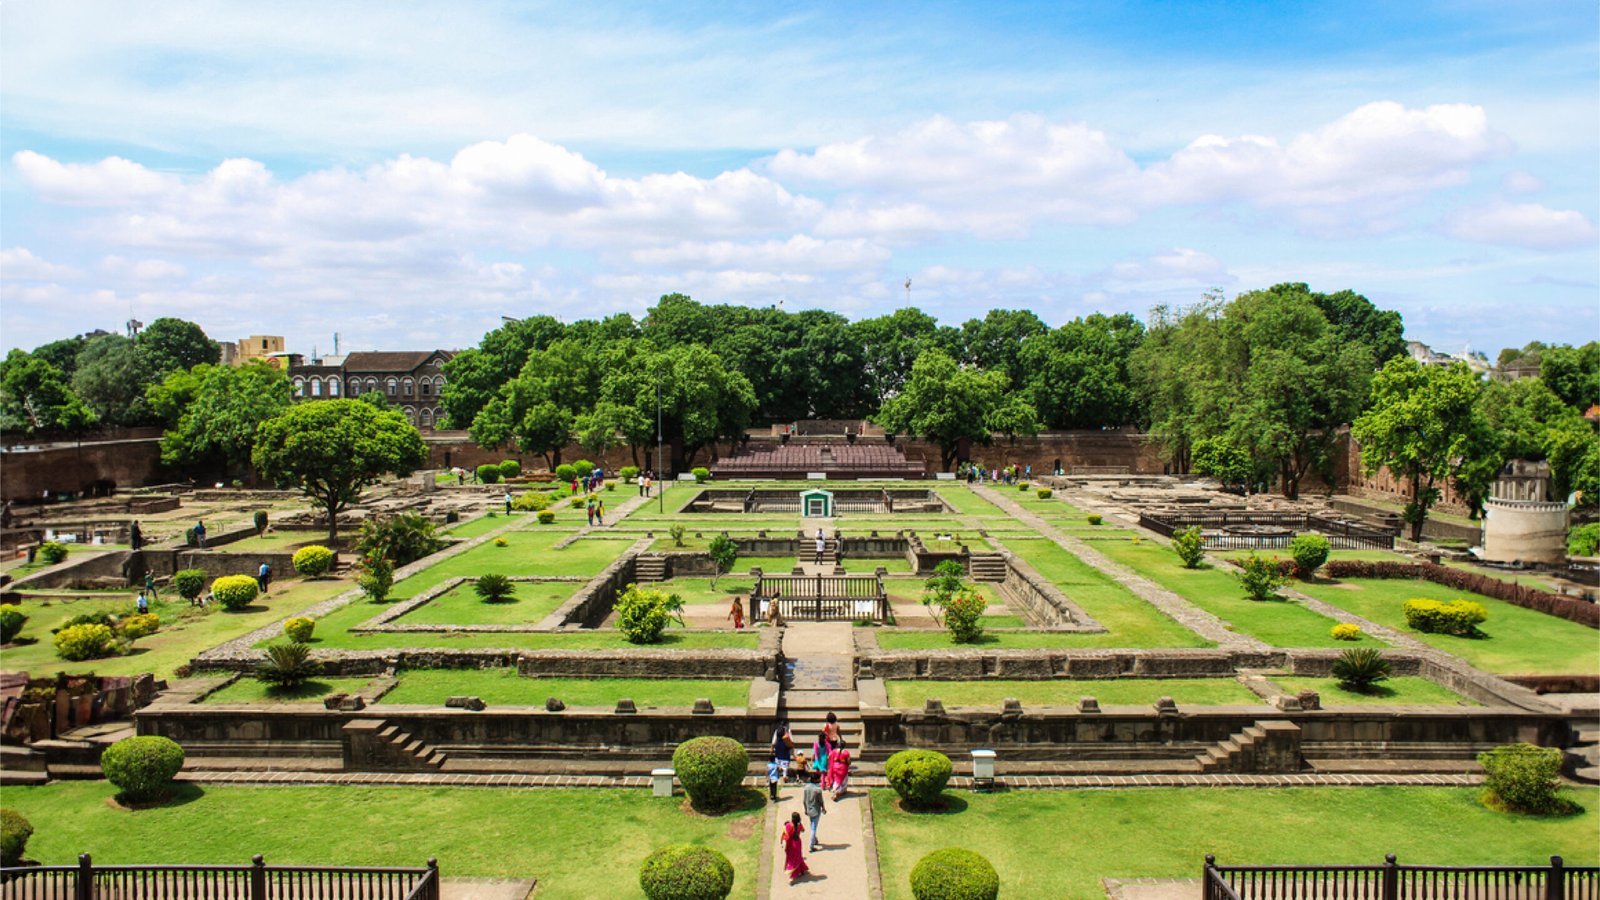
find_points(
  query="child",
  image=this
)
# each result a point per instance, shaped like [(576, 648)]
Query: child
[(774, 772), (797, 769)]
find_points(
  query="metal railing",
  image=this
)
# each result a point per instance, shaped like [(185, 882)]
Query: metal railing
[(820, 597), (256, 881), (1392, 881)]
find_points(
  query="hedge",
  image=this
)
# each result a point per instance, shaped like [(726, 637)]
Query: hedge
[(1571, 609), (954, 874), (711, 770), (75, 643), (235, 592), (14, 833), (918, 776), (686, 872), (312, 560)]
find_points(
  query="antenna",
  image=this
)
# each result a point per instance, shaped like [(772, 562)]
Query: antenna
[(908, 290), (336, 343)]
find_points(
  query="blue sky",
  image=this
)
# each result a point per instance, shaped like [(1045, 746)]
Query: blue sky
[(406, 173)]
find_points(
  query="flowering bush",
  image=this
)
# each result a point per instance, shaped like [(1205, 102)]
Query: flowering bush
[(1346, 631)]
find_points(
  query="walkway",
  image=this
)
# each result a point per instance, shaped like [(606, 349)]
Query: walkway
[(839, 867)]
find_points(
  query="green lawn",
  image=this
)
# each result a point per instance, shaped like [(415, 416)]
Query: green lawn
[(1130, 620), (1399, 691), (461, 606), (992, 693), (249, 690), (1367, 555), (1062, 843), (273, 542), (504, 687), (185, 631), (1215, 589), (1516, 641), (1052, 509), (483, 525), (332, 634), (529, 552), (579, 843), (964, 501)]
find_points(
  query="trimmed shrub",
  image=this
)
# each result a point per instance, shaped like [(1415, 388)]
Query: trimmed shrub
[(52, 552), (566, 472), (1346, 631), (701, 474), (1022, 486), (546, 516), (611, 485), (312, 561), (494, 588), (577, 502), (510, 468), (139, 625), (501, 542), (1458, 617), (260, 520), (710, 770), (954, 874), (628, 473), (489, 473), (1584, 540), (1360, 668), (15, 829), (1522, 778), (531, 501), (235, 592), (643, 613), (142, 766), (189, 582), (299, 629), (1190, 546), (1095, 518), (287, 665), (1045, 493), (79, 642), (11, 620), (963, 615), (1310, 551), (1261, 578), (582, 467), (377, 577), (686, 872), (918, 776)]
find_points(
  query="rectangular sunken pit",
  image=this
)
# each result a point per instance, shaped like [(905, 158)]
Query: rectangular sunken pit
[(844, 501)]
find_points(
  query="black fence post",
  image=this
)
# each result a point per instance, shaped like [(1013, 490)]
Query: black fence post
[(258, 878), (1391, 878), (1207, 872), (1555, 888), (433, 878), (84, 889)]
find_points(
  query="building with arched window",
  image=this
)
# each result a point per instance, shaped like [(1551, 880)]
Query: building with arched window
[(410, 381)]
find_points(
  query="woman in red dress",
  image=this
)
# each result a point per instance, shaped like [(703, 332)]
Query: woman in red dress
[(793, 861), (736, 613)]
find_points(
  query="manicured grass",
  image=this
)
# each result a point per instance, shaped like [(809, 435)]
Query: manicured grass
[(964, 501), (1062, 843), (1053, 508), (1366, 555), (185, 631), (1281, 623), (332, 634), (526, 553), (1129, 619), (249, 690), (903, 590), (461, 606), (1065, 692), (483, 525), (939, 639), (578, 843), (273, 542), (1405, 689), (503, 687), (1516, 640), (1002, 620)]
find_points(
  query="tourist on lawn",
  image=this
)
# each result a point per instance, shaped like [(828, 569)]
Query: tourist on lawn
[(812, 800), (736, 613), (793, 860), (599, 512), (839, 771), (508, 503), (143, 603), (150, 583), (264, 577), (590, 511)]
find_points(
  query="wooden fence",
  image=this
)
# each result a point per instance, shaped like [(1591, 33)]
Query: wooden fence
[(820, 597), (1392, 881), (257, 881)]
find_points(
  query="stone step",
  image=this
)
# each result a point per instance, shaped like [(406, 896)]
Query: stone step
[(21, 777), (20, 759), (74, 772)]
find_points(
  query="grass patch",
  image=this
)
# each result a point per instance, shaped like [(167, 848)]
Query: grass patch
[(1279, 623), (1516, 640), (1397, 691), (991, 693), (249, 690), (338, 638), (1130, 620), (964, 501), (461, 606), (526, 553), (482, 525), (272, 542), (1164, 832), (578, 843), (503, 687)]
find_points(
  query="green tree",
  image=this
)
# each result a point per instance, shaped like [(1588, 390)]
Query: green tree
[(113, 373), (35, 397), (218, 409), (890, 344), (1223, 460), (331, 449), (947, 403), (63, 354), (177, 345), (1424, 425), (994, 343), (1573, 373), (1077, 375), (474, 377), (701, 399)]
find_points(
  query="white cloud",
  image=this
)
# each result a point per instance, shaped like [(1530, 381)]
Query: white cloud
[(143, 269), (20, 264), (1520, 182), (112, 181), (1522, 225), (799, 251)]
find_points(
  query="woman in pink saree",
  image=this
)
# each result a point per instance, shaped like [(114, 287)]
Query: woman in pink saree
[(793, 861), (839, 770)]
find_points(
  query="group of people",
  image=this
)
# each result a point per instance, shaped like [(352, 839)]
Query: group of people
[(827, 769), (597, 511), (976, 474), (645, 480), (736, 612)]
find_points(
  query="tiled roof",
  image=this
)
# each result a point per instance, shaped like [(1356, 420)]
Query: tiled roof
[(390, 361)]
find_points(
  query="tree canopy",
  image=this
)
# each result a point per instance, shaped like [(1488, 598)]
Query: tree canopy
[(35, 397), (176, 345), (948, 403), (214, 412)]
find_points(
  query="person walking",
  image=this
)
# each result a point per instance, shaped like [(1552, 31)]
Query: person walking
[(264, 577), (600, 511), (793, 860), (811, 799), (200, 534), (782, 747), (839, 771), (643, 480), (774, 773), (508, 502), (135, 536), (736, 613), (827, 742), (150, 582), (590, 511), (822, 544)]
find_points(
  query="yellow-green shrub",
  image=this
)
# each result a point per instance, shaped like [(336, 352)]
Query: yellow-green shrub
[(80, 642), (312, 560), (1458, 617), (235, 592), (299, 628), (1347, 631)]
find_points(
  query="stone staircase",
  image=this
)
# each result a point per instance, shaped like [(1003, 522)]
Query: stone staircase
[(987, 567), (650, 567), (1583, 757), (1269, 746), (376, 745), (407, 752), (806, 711), (20, 765), (808, 553)]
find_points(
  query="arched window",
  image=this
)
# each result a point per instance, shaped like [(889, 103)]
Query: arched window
[(393, 384), (427, 387), (370, 385), (355, 387), (299, 387), (333, 387), (411, 415), (316, 387), (426, 419), (405, 387)]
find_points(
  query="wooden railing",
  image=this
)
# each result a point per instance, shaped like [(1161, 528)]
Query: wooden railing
[(1392, 881), (257, 881), (820, 597), (1341, 535)]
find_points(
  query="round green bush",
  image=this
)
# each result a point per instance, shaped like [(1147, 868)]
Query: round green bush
[(701, 474), (954, 874), (299, 628), (1309, 551), (918, 776), (189, 582), (489, 473), (87, 641), (52, 552), (11, 619), (1045, 493), (686, 872), (710, 769), (566, 472), (1522, 778), (15, 831), (143, 766), (235, 592), (1095, 518), (582, 467), (546, 516), (628, 473), (312, 560), (510, 468)]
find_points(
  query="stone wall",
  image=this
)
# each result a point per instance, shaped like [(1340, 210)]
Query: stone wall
[(593, 602), (1046, 605), (647, 663), (77, 468)]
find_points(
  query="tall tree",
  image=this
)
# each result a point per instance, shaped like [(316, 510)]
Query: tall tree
[(35, 397), (948, 403), (332, 449), (113, 373), (699, 396), (1077, 375), (994, 342), (890, 344), (474, 377), (540, 407), (173, 345), (1573, 373), (1530, 422), (63, 354), (1424, 425), (219, 409)]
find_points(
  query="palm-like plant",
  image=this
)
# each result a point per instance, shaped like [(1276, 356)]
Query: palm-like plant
[(1360, 669), (494, 588), (287, 665)]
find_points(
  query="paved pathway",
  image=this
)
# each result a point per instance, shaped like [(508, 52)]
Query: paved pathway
[(839, 867), (1176, 607), (823, 654)]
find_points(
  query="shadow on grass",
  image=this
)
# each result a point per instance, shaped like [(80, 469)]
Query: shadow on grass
[(305, 690), (747, 800), (948, 805), (181, 794)]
